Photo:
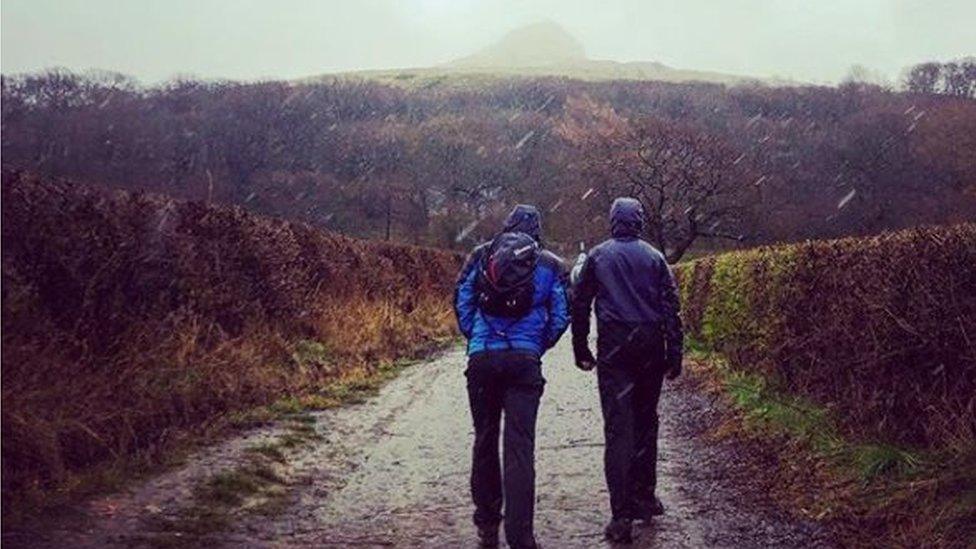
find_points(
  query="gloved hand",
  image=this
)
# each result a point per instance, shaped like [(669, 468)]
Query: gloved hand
[(674, 366), (584, 358)]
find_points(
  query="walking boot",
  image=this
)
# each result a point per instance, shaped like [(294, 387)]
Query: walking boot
[(488, 536), (619, 531), (646, 509)]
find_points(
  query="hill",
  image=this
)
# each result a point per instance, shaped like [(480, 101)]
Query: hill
[(544, 49), (538, 45)]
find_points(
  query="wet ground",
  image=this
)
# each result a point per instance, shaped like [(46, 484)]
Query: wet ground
[(394, 472)]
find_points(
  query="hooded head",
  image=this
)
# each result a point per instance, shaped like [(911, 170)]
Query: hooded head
[(626, 218), (525, 219)]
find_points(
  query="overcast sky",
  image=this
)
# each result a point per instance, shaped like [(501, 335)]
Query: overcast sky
[(811, 40)]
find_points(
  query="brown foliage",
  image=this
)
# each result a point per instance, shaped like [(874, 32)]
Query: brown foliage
[(131, 318), (690, 181), (419, 164)]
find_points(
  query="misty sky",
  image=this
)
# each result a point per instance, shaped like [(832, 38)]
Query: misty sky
[(810, 40)]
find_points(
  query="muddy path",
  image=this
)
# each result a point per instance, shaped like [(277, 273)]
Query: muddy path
[(394, 472)]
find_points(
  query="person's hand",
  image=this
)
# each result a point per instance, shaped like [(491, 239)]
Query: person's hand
[(674, 368), (586, 365), (584, 358)]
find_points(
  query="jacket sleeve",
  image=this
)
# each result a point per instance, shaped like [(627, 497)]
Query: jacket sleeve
[(465, 305), (558, 308), (671, 306), (583, 295)]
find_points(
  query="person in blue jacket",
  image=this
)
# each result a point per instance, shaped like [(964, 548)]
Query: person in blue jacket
[(504, 376), (639, 343)]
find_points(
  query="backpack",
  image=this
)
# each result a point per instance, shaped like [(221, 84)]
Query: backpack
[(505, 284)]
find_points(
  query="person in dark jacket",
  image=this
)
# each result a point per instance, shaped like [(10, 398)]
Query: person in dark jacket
[(505, 376), (639, 342)]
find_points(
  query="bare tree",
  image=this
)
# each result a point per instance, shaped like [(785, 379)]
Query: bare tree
[(953, 78), (924, 78), (959, 78), (692, 184)]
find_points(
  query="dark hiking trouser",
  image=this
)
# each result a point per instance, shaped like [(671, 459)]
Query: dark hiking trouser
[(509, 382), (630, 370)]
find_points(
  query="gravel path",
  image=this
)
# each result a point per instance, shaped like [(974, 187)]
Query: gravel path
[(394, 472)]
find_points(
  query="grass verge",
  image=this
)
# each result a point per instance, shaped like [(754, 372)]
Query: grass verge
[(261, 482), (871, 493), (350, 386)]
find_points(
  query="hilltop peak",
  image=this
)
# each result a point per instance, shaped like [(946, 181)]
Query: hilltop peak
[(540, 44), (545, 48)]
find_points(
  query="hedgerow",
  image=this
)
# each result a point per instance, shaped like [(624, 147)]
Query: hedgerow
[(881, 330), (131, 319)]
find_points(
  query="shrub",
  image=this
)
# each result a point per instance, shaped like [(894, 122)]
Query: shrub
[(881, 330), (129, 319)]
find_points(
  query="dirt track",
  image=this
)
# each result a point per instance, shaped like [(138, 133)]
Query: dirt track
[(394, 472)]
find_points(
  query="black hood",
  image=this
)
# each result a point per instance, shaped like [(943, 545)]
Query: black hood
[(626, 218), (525, 219)]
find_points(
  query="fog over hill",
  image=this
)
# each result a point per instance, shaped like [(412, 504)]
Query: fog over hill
[(257, 40), (537, 45), (546, 49)]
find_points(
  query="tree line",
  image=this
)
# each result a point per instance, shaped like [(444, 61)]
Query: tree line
[(951, 78), (440, 164)]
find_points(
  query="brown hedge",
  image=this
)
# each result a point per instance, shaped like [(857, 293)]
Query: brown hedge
[(880, 330), (130, 317)]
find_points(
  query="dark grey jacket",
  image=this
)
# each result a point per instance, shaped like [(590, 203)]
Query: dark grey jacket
[(630, 281)]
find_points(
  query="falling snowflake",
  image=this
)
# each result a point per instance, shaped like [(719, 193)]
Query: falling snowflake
[(525, 139), (466, 230), (546, 104), (626, 391), (587, 194), (847, 198)]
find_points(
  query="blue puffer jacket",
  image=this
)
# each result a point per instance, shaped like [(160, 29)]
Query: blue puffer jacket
[(537, 331)]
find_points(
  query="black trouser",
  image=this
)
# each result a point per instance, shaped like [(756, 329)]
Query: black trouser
[(630, 369), (509, 381)]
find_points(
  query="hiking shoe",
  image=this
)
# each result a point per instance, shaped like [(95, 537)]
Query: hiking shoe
[(619, 531), (488, 536), (646, 510), (524, 544)]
